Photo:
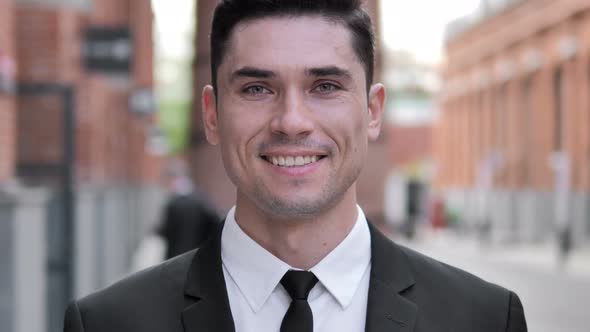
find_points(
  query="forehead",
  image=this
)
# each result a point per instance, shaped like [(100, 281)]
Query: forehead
[(291, 42)]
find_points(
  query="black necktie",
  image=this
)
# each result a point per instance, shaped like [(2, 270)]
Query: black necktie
[(298, 317)]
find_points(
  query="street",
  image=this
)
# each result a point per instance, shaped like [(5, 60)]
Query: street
[(554, 300)]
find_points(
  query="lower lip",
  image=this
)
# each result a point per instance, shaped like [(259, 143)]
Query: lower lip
[(296, 171)]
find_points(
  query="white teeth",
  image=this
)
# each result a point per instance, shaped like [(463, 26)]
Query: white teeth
[(299, 161), (290, 161)]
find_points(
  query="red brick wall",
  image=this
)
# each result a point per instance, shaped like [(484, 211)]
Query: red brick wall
[(110, 12), (410, 144), (48, 52), (141, 19), (122, 141), (149, 167), (39, 139), (111, 141), (7, 120), (7, 140), (492, 57), (47, 44)]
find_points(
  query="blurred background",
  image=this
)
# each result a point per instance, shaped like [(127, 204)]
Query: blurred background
[(484, 161)]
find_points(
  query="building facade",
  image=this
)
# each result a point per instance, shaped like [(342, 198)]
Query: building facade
[(7, 76), (79, 185), (513, 139)]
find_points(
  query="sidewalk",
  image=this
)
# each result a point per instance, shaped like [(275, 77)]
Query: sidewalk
[(542, 257)]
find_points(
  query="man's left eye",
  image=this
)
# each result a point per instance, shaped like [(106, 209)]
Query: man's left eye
[(256, 90), (326, 87)]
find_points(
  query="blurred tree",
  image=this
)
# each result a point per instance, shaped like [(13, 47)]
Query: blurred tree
[(174, 55)]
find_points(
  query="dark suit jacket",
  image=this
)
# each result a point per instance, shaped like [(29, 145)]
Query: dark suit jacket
[(407, 292)]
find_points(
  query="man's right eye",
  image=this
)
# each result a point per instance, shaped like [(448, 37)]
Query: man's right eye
[(255, 90)]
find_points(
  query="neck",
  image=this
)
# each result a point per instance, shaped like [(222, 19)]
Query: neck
[(300, 242)]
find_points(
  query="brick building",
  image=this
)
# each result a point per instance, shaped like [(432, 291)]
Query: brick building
[(110, 145), (411, 144), (513, 140), (206, 164), (79, 186), (7, 72)]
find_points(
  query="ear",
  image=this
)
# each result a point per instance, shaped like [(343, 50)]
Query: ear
[(209, 112), (376, 104)]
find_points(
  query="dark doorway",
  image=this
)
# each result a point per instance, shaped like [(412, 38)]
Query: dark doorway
[(46, 146)]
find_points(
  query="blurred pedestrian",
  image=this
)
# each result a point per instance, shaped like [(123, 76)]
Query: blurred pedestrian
[(293, 109), (188, 215), (564, 240), (187, 219), (413, 207)]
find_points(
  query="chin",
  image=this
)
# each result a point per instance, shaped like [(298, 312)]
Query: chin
[(285, 208), (294, 210)]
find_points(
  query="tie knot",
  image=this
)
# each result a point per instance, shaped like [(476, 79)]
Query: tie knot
[(298, 283)]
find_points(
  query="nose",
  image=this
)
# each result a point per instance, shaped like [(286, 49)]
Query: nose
[(292, 118)]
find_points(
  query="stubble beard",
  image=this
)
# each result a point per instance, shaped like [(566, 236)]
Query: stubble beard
[(298, 206)]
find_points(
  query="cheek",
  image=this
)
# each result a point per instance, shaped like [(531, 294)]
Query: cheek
[(357, 133), (349, 123), (239, 128), (344, 122)]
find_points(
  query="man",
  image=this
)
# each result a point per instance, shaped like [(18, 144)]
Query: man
[(292, 109)]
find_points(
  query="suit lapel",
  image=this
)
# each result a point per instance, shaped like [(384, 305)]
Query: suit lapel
[(387, 309), (208, 307)]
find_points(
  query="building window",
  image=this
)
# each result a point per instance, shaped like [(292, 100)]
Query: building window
[(526, 142), (481, 139), (501, 110), (558, 92), (500, 130)]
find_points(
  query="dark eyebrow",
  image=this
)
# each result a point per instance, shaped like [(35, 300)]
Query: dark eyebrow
[(328, 71), (252, 72)]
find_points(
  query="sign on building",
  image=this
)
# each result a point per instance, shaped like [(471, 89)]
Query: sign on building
[(108, 50), (142, 101)]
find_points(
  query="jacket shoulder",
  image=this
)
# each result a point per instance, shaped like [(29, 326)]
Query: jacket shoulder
[(448, 294), (426, 268), (156, 295)]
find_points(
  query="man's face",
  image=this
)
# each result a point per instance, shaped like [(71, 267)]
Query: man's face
[(292, 116)]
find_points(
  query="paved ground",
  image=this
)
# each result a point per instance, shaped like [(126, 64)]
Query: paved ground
[(556, 296)]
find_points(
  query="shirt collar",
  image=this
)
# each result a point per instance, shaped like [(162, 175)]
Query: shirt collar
[(257, 272), (342, 270)]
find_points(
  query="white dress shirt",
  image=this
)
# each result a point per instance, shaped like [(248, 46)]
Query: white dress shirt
[(259, 302)]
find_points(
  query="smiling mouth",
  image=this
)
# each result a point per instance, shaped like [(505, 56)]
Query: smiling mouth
[(293, 161)]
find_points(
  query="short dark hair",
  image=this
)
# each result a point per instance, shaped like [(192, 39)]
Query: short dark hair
[(349, 13)]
